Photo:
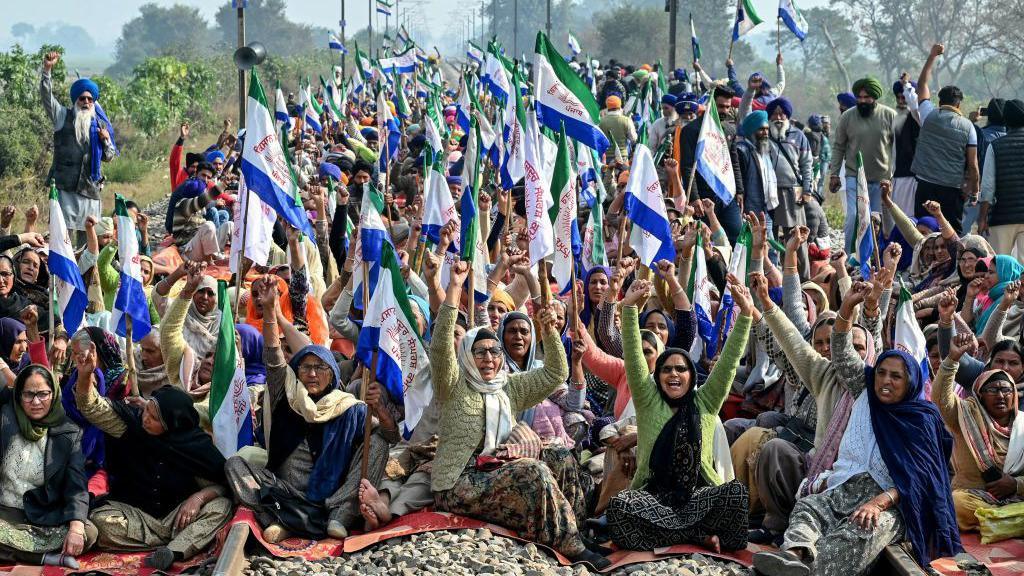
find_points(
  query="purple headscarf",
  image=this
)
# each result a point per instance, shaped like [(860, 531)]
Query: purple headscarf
[(252, 353)]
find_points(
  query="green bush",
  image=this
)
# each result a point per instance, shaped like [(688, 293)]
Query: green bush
[(23, 135), (163, 91)]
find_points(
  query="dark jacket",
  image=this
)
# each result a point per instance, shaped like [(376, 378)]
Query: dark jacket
[(750, 174), (64, 495), (1009, 193), (690, 135), (608, 88)]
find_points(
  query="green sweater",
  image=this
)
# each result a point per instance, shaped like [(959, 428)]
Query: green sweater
[(652, 413), (461, 426), (871, 136), (109, 276)]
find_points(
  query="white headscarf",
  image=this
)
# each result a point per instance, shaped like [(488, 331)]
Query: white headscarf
[(200, 331), (498, 418)]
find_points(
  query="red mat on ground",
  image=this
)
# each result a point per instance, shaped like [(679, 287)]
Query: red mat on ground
[(1004, 558), (115, 564), (290, 547)]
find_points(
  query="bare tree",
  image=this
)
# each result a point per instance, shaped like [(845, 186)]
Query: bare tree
[(901, 32)]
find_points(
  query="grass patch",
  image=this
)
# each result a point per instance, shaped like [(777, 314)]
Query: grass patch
[(126, 170), (835, 216)]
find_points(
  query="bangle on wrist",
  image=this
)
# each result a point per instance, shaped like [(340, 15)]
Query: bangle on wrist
[(839, 315), (889, 495)]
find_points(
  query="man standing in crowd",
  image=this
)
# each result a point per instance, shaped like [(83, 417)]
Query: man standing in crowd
[(729, 215), (1002, 185), (82, 138), (993, 129), (906, 130), (662, 126), (947, 149), (791, 157), (868, 129)]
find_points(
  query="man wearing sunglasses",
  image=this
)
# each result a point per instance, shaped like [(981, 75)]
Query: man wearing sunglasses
[(82, 140)]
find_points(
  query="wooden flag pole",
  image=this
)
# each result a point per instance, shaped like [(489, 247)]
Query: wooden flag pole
[(732, 34), (689, 183), (471, 298), (778, 35), (575, 305), (545, 284), (53, 311), (364, 387), (622, 236), (133, 381), (243, 266)]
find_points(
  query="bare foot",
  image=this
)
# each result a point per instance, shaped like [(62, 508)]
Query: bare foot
[(372, 506), (712, 543), (372, 523)]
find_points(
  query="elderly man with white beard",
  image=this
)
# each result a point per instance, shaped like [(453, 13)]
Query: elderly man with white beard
[(794, 174), (82, 139), (755, 151)]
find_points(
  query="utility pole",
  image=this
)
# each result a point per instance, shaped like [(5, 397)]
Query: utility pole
[(369, 15), (494, 17), (547, 25), (344, 73), (515, 28), (673, 12), (241, 73)]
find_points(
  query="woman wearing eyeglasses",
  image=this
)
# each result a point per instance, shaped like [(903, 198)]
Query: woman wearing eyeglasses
[(988, 437), (677, 495), (479, 396), (44, 505), (310, 483)]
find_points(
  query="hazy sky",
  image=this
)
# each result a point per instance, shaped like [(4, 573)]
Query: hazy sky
[(104, 18)]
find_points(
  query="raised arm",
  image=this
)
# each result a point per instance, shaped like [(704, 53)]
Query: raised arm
[(715, 390), (792, 292), (993, 331), (527, 389), (910, 232), (54, 109), (809, 366), (643, 392), (96, 409), (443, 366), (780, 76), (923, 91), (849, 365), (943, 395)]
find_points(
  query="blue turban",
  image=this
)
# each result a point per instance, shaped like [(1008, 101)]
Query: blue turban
[(369, 133), (780, 102), (668, 100), (418, 141), (814, 121), (753, 122), (897, 87), (211, 156), (330, 170), (454, 180), (846, 99), (679, 74), (686, 106), (84, 85)]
